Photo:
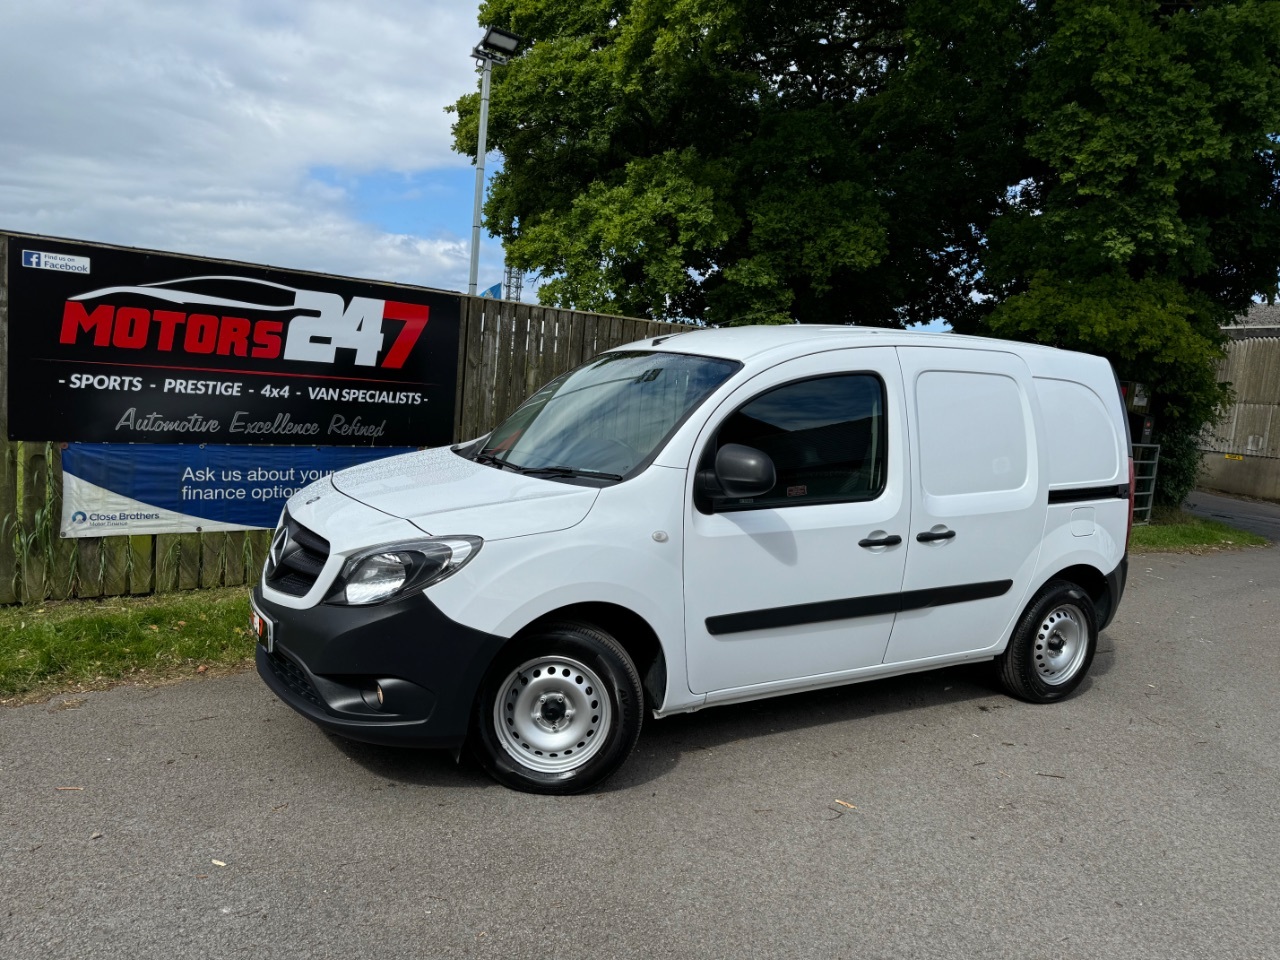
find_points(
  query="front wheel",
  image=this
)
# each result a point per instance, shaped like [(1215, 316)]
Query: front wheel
[(559, 711), (1053, 645)]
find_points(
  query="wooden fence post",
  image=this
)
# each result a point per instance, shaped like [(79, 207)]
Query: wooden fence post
[(189, 561), (212, 551), (167, 549), (142, 566), (64, 559), (33, 470), (89, 567), (115, 568), (233, 559)]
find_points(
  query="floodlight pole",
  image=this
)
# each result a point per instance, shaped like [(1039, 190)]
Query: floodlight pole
[(486, 71)]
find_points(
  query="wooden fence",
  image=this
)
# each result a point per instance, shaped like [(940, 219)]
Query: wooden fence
[(506, 351)]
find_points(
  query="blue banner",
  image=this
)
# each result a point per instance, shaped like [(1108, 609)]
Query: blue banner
[(111, 489)]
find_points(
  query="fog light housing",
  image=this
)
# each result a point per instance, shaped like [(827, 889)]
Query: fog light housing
[(374, 698)]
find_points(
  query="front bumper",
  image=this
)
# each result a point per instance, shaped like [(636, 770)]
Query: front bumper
[(328, 660)]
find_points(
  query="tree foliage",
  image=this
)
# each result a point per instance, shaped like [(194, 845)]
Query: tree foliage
[(738, 162), (1099, 174)]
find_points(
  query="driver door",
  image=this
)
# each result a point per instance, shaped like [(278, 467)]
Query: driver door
[(802, 582)]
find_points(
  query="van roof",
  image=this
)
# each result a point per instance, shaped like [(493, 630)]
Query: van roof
[(747, 343)]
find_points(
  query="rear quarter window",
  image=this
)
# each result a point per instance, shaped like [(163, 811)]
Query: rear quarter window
[(1079, 433)]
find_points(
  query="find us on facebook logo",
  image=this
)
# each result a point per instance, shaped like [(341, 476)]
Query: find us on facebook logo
[(61, 262)]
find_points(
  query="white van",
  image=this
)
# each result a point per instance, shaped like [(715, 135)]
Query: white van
[(703, 518)]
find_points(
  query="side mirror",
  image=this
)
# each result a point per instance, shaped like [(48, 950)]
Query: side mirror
[(744, 471)]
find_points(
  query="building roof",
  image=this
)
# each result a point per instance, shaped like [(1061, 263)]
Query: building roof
[(1260, 315), (1260, 320)]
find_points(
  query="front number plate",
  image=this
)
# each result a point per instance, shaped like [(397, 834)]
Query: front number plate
[(263, 627)]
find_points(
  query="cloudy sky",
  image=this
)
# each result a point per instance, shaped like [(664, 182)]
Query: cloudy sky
[(296, 133)]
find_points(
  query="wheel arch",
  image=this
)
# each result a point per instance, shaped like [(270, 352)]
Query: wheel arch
[(1094, 582), (632, 632)]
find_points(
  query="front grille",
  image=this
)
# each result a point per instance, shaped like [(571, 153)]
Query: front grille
[(295, 678), (297, 557)]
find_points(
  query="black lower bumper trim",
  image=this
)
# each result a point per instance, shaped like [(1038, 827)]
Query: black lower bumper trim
[(1116, 580), (330, 663)]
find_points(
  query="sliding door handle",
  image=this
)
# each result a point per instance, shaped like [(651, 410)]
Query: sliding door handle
[(890, 541), (929, 537)]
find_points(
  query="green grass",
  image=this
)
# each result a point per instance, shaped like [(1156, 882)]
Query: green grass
[(1175, 531), (86, 644)]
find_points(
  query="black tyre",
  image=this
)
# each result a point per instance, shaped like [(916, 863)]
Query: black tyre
[(559, 711), (1053, 645)]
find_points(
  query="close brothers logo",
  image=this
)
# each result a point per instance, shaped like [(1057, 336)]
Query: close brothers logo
[(111, 519), (223, 324)]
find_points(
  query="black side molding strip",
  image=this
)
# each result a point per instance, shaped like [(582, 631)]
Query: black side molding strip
[(852, 607), (1118, 491)]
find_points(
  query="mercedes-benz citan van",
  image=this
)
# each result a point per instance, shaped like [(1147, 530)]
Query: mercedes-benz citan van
[(704, 518)]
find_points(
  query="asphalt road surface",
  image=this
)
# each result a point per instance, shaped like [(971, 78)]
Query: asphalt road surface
[(920, 817), (1257, 516)]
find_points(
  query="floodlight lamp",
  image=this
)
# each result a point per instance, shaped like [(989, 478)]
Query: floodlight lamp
[(498, 45)]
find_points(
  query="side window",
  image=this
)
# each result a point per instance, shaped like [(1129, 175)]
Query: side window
[(826, 438), (973, 437), (1081, 435)]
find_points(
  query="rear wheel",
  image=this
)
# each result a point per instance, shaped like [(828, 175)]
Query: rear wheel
[(1053, 645), (559, 711)]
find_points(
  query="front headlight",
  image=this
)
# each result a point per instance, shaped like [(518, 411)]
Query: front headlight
[(388, 571)]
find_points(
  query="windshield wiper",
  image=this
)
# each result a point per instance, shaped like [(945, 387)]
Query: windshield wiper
[(566, 472), (489, 460)]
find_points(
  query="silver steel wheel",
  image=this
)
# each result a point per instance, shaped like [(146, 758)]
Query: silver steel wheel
[(552, 714), (1062, 641)]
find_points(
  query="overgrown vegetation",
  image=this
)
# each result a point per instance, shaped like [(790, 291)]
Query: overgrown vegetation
[(1176, 531), (33, 543), (86, 643), (1181, 463)]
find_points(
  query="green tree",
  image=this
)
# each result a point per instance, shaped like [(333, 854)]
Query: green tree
[(1148, 216), (741, 162), (1098, 174)]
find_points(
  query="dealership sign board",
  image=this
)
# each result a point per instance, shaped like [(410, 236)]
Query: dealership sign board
[(122, 346), (113, 489)]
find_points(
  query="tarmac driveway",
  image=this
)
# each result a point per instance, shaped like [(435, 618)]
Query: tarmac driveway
[(924, 816), (1257, 516)]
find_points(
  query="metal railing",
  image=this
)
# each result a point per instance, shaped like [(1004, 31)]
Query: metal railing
[(1146, 458)]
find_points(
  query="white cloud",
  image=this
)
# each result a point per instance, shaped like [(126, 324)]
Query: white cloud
[(193, 127)]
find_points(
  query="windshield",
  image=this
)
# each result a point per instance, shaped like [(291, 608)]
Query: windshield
[(607, 417)]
